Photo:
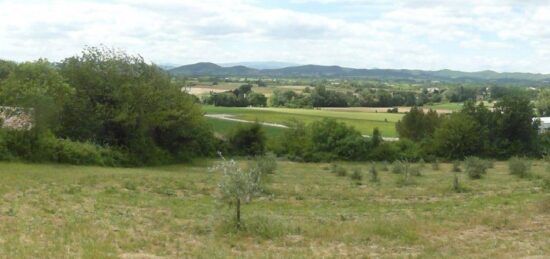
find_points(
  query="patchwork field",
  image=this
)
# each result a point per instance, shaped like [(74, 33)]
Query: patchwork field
[(54, 211), (365, 122)]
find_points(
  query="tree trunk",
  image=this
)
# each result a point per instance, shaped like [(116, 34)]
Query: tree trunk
[(238, 213)]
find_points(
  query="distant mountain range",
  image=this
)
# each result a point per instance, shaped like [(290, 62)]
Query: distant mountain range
[(316, 71)]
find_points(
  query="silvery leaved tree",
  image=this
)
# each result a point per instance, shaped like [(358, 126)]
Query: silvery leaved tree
[(237, 185)]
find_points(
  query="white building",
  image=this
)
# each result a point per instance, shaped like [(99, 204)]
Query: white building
[(544, 124)]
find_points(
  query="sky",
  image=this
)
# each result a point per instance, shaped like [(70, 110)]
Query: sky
[(467, 35)]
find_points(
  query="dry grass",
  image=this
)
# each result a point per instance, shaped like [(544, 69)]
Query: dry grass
[(52, 211)]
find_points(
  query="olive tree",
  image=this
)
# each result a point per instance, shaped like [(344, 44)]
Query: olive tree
[(237, 185)]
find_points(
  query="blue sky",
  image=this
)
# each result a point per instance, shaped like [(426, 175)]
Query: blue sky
[(468, 35)]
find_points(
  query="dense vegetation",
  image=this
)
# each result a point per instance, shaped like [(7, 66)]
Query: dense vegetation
[(102, 107)]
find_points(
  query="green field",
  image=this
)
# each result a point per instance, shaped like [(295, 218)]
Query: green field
[(365, 122), (55, 211), (224, 128)]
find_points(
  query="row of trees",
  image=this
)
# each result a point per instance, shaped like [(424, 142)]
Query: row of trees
[(506, 130), (241, 97)]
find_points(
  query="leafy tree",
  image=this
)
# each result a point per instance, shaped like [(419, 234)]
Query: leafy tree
[(376, 137), (457, 137), (417, 125), (122, 101), (256, 99), (337, 140), (248, 140), (39, 90), (237, 186), (516, 131), (543, 102)]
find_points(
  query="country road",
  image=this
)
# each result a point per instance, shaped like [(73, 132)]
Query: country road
[(231, 117)]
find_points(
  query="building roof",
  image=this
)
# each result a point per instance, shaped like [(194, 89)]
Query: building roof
[(544, 120)]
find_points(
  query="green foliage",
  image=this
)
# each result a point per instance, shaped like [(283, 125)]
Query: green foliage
[(543, 102), (248, 139), (338, 170), (237, 186), (356, 175), (435, 165), (266, 164), (417, 125), (384, 167), (324, 140), (373, 174), (124, 102), (45, 147), (39, 90), (456, 184), (475, 167), (398, 167), (457, 137), (519, 167), (456, 166)]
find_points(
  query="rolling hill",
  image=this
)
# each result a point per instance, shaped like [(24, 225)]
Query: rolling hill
[(317, 71)]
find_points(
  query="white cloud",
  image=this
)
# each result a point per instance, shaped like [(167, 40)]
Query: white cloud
[(426, 34)]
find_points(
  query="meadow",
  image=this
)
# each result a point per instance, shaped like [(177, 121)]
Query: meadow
[(365, 122), (61, 211)]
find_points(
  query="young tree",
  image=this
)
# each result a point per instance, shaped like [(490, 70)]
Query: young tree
[(237, 186)]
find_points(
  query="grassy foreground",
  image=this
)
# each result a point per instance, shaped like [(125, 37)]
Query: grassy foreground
[(54, 211)]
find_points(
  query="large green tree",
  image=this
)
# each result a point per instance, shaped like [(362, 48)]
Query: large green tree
[(121, 100), (457, 137)]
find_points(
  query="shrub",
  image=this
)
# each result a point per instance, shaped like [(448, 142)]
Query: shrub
[(339, 170), (373, 174), (248, 140), (384, 167), (421, 163), (356, 175), (398, 167), (456, 166), (457, 187), (435, 165), (266, 164), (519, 167), (415, 171), (475, 167)]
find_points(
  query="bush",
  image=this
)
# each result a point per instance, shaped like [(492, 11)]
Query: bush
[(475, 167), (456, 184), (456, 166), (248, 140), (339, 170), (384, 167), (356, 175), (415, 171), (373, 174), (435, 165), (266, 164), (45, 147), (519, 167), (397, 167)]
